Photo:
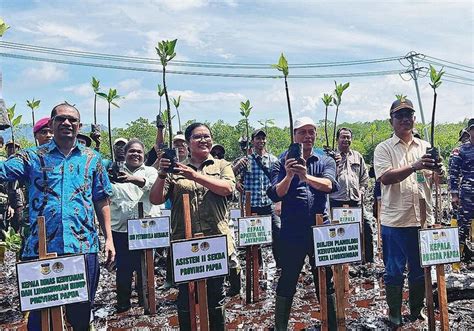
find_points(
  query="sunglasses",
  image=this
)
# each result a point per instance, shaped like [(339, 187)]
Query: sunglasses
[(405, 114), (63, 118), (199, 137)]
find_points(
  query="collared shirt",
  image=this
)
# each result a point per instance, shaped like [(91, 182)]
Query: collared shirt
[(209, 211), (352, 177), (256, 181), (63, 189), (400, 201), (461, 171), (302, 201), (126, 196)]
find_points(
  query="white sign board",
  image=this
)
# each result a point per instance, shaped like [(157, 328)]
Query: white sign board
[(255, 230), (347, 215), (439, 246), (337, 243), (235, 213), (52, 282), (147, 233), (166, 212), (199, 258)]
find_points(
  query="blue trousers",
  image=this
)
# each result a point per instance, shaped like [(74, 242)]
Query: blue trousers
[(400, 246), (292, 259), (77, 314)]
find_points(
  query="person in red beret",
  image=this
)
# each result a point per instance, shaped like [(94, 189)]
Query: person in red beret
[(42, 132)]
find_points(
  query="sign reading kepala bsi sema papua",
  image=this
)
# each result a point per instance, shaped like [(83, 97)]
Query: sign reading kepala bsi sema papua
[(52, 282), (255, 230), (346, 215), (439, 246), (337, 243), (199, 258), (148, 233)]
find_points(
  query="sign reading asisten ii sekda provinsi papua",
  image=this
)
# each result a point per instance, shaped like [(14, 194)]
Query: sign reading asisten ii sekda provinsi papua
[(337, 243), (439, 246), (148, 233), (52, 282), (255, 230), (199, 258)]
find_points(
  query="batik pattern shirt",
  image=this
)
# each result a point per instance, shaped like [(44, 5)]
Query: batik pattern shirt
[(63, 189)]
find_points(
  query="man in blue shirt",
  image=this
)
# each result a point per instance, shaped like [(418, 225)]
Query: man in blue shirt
[(302, 186), (66, 182)]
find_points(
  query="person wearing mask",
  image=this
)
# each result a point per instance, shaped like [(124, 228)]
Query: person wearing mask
[(131, 186), (208, 182)]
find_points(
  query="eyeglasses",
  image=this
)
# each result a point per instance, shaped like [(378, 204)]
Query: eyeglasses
[(401, 115), (63, 118), (199, 137)]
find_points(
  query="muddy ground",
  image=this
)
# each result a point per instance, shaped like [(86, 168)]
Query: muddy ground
[(366, 308)]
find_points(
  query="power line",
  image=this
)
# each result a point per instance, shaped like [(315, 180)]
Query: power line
[(443, 65), (143, 60), (454, 63), (453, 81), (197, 73)]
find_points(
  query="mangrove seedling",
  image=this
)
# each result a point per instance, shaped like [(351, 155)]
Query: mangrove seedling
[(166, 53), (327, 100), (400, 97), (176, 103), (282, 66), (95, 83), (111, 98), (435, 77), (245, 109), (3, 27), (12, 240), (33, 104), (337, 99), (14, 121)]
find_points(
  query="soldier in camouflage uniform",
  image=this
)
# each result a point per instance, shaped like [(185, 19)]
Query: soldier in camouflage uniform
[(461, 178)]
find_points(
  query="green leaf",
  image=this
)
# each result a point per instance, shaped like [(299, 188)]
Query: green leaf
[(95, 84), (3, 27), (17, 121), (102, 95)]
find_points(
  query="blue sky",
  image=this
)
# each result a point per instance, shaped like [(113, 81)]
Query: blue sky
[(239, 32)]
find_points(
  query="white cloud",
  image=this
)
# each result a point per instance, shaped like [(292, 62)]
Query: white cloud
[(182, 4), (128, 85), (82, 90), (45, 73)]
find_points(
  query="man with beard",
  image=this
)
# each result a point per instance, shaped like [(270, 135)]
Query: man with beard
[(66, 184), (405, 170)]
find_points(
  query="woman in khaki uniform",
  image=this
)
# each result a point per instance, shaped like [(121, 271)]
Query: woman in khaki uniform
[(208, 182)]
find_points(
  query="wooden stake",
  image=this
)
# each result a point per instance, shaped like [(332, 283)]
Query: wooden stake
[(345, 267), (442, 294), (379, 231), (428, 283), (362, 228), (56, 312), (202, 295), (322, 287), (339, 285), (248, 255), (188, 230)]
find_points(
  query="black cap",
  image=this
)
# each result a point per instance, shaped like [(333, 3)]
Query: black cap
[(258, 132), (87, 139), (400, 104), (463, 133), (470, 124)]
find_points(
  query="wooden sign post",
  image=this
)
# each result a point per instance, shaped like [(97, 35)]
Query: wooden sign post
[(339, 286), (188, 230), (323, 303), (251, 263), (428, 281), (56, 312), (147, 275), (379, 231)]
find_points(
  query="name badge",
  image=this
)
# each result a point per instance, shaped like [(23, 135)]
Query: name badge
[(420, 177)]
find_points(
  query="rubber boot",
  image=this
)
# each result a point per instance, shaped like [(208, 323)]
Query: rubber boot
[(415, 300), (217, 319), (282, 312), (235, 282), (394, 301), (184, 319)]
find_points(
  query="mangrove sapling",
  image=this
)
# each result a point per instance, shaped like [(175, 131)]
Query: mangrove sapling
[(327, 100), (33, 104), (14, 121), (294, 148), (95, 83), (176, 103), (166, 53), (337, 99), (3, 27), (435, 77), (160, 126), (111, 98), (245, 109)]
